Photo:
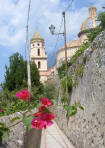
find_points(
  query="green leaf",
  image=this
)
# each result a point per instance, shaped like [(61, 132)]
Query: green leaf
[(2, 124), (54, 101), (14, 119), (71, 110), (5, 134), (1, 137), (77, 104), (64, 99), (27, 122), (38, 105)]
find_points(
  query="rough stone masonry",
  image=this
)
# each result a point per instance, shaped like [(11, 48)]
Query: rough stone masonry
[(87, 128), (17, 132)]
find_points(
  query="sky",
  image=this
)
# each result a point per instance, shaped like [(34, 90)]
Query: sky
[(43, 13)]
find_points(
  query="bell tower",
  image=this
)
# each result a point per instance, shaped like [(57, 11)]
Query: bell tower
[(92, 12), (38, 53)]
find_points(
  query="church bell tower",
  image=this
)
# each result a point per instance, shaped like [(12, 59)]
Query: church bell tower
[(38, 53)]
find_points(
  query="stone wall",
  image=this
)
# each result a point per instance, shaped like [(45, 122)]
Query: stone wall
[(87, 128), (17, 132)]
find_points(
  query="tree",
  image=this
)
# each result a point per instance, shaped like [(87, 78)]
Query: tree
[(94, 32), (16, 73), (101, 18), (35, 77)]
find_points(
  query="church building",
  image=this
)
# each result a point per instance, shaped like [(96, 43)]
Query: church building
[(89, 23), (38, 55)]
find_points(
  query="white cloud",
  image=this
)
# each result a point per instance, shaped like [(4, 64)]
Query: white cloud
[(42, 14)]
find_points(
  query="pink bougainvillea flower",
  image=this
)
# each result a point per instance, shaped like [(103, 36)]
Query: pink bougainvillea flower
[(37, 123), (38, 114), (46, 102), (46, 119), (23, 95), (42, 120), (43, 117), (42, 109), (0, 110), (47, 116)]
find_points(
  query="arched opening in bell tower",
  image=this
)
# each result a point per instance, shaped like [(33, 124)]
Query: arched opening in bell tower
[(38, 52), (39, 64)]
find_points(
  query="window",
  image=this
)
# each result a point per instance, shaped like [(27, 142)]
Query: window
[(33, 45), (38, 52), (39, 65), (38, 44)]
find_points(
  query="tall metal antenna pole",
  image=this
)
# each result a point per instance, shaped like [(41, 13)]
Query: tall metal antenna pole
[(66, 67), (28, 55)]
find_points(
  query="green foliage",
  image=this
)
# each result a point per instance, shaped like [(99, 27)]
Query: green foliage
[(61, 71), (101, 18), (75, 83), (27, 121), (93, 33), (64, 99), (70, 84), (80, 51), (35, 77), (16, 80), (51, 92), (9, 103), (16, 74), (79, 70), (15, 118), (4, 132), (77, 104), (72, 110)]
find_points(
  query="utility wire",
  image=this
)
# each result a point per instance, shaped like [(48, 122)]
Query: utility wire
[(61, 24), (69, 5), (58, 34)]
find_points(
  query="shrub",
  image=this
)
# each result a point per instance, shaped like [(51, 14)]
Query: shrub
[(61, 70), (79, 71), (101, 17), (51, 90), (93, 33), (70, 84), (16, 74)]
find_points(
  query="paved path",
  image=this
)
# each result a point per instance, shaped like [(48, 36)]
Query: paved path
[(53, 137)]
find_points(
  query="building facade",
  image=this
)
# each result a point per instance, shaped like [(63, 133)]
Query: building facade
[(90, 23), (38, 55), (72, 47)]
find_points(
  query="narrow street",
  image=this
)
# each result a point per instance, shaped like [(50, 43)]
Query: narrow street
[(53, 137)]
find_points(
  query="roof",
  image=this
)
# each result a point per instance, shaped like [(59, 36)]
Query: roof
[(92, 7), (37, 36), (71, 44), (90, 22)]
